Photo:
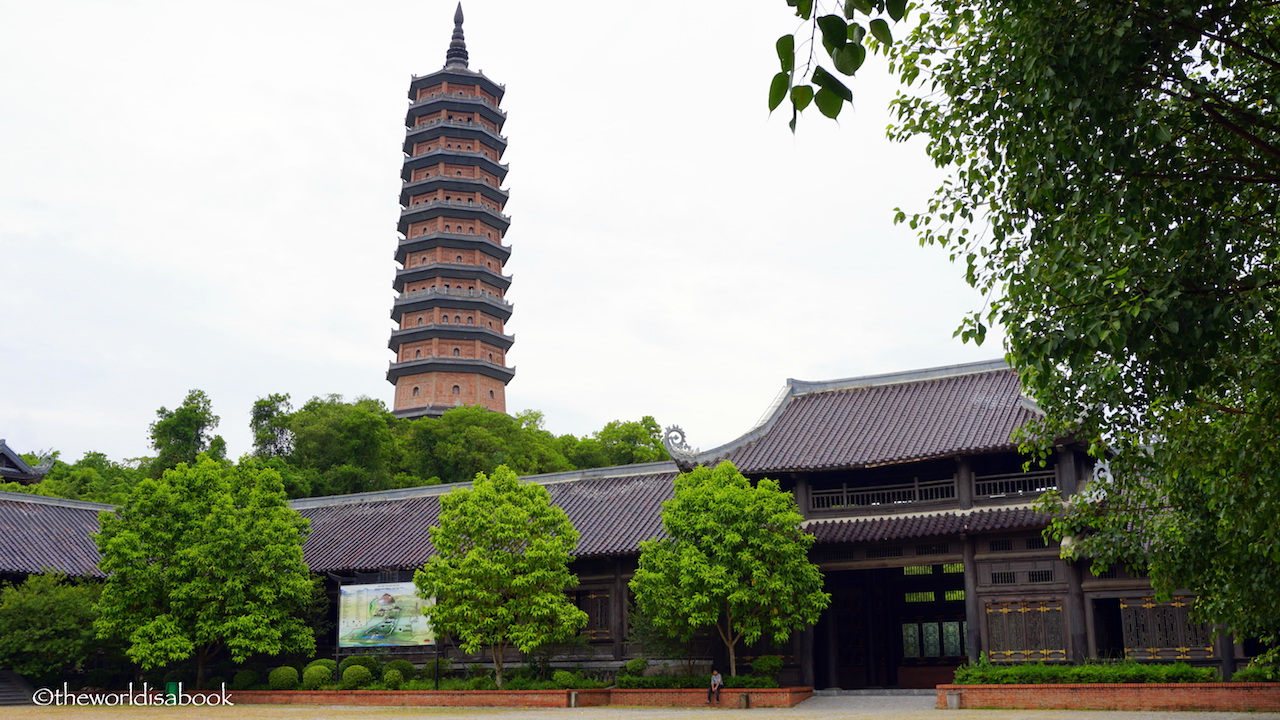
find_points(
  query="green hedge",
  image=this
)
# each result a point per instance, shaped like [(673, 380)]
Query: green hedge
[(373, 664), (701, 682), (1257, 673), (356, 676), (283, 678), (244, 679), (322, 662), (316, 676), (987, 673), (407, 670)]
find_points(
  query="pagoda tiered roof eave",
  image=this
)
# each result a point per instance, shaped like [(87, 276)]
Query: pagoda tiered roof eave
[(457, 102), (449, 331), (457, 157), (460, 75), (452, 209), (453, 183), (419, 300), (459, 241), (463, 271), (455, 130), (422, 366)]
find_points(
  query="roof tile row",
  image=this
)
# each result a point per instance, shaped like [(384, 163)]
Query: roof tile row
[(910, 527), (612, 515), (40, 534), (865, 426)]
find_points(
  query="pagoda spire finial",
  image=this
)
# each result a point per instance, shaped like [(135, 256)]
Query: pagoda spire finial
[(457, 54)]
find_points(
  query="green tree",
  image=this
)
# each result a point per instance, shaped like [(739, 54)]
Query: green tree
[(734, 558), (626, 442), (205, 559), (1121, 162), (94, 477), (179, 435), (501, 568), (349, 443), (469, 440), (269, 421), (46, 625)]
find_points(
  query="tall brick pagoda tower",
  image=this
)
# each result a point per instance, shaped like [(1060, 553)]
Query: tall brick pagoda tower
[(450, 344)]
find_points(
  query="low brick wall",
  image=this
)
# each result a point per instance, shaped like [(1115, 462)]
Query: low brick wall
[(729, 697), (1146, 696), (438, 698)]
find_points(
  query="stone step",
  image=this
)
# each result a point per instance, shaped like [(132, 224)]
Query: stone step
[(14, 689)]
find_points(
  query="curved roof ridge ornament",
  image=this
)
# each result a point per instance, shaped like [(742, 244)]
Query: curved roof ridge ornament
[(456, 56), (13, 467), (677, 445)]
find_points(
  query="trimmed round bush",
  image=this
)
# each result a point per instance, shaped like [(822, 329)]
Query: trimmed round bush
[(368, 661), (635, 666), (406, 668), (323, 662), (356, 676), (443, 666), (244, 679), (283, 678), (564, 678), (316, 676), (766, 665), (392, 678)]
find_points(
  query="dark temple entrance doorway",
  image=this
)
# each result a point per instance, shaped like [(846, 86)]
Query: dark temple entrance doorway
[(901, 627)]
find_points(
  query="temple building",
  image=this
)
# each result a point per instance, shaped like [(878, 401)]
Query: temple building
[(450, 341), (909, 482), (920, 504)]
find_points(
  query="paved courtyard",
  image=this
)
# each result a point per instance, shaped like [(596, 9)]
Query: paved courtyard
[(842, 707)]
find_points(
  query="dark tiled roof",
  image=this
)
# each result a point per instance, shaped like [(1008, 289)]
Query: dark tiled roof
[(907, 527), (383, 530), (38, 534), (13, 467), (864, 422)]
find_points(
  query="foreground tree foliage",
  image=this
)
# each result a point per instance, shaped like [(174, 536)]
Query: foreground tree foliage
[(735, 558), (206, 559), (501, 569), (1114, 191), (46, 626)]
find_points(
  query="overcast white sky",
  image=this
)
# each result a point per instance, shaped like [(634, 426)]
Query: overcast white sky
[(205, 196)]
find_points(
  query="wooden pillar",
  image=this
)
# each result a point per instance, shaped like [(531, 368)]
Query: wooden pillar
[(964, 482), (1068, 471), (618, 611), (802, 494), (1225, 649), (972, 611), (806, 656), (1077, 629), (833, 652)]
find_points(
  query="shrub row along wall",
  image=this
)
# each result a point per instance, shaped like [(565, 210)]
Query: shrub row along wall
[(732, 698), (1146, 696)]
